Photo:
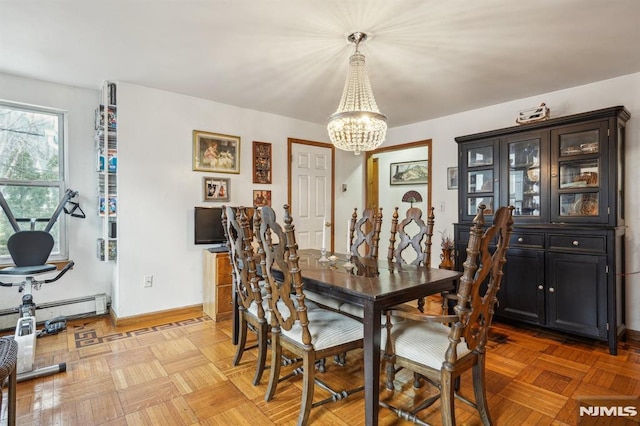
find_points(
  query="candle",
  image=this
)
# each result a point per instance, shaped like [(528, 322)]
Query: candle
[(324, 233), (348, 238)]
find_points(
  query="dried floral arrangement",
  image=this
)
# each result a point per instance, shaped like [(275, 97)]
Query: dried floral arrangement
[(447, 242)]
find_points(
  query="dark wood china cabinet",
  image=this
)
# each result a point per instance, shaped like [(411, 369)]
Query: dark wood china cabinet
[(565, 178)]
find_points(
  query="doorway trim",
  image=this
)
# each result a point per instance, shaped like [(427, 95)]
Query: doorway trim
[(372, 194)]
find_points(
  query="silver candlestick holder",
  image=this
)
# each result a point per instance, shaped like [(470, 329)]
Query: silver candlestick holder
[(348, 266), (323, 255)]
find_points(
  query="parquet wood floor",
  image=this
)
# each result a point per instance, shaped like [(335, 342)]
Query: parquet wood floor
[(179, 372)]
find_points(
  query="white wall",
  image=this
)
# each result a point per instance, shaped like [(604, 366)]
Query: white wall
[(157, 188), (89, 276)]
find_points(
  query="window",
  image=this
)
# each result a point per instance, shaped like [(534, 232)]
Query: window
[(31, 171)]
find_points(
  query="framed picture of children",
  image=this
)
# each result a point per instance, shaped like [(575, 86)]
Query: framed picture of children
[(215, 189), (213, 152)]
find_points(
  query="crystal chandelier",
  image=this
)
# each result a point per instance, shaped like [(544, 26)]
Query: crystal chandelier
[(357, 125)]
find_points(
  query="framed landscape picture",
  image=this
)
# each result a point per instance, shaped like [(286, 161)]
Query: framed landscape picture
[(215, 189), (409, 173), (213, 152)]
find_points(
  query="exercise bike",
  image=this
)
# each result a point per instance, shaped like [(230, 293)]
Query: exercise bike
[(30, 250)]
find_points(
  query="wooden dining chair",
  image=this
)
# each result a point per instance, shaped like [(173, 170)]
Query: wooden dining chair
[(418, 243), (364, 237), (441, 348), (365, 233), (248, 286), (311, 334)]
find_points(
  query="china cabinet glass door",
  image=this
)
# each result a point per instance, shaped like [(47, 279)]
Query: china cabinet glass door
[(579, 167), (524, 177), (481, 179)]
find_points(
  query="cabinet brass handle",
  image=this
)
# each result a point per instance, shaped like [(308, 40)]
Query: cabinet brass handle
[(552, 290), (520, 239), (540, 287), (576, 243)]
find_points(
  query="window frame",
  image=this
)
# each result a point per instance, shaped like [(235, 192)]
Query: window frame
[(62, 254)]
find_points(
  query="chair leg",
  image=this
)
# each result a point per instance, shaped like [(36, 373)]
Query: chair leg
[(447, 407), (262, 352), (390, 370), (308, 383), (417, 384), (274, 372), (242, 339), (480, 393), (421, 302), (11, 397)]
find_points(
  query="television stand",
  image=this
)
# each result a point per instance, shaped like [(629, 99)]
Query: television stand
[(217, 290)]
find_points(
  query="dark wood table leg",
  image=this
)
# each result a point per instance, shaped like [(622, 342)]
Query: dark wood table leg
[(371, 362)]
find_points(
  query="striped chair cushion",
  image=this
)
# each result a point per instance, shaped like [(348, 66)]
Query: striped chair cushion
[(321, 299), (253, 308), (328, 329), (425, 343), (355, 310), (358, 312)]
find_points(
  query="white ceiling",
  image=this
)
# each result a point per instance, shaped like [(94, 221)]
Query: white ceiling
[(425, 58)]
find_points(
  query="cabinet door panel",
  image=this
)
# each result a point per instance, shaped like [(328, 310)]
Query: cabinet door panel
[(480, 180), (523, 181), (580, 173), (519, 296), (576, 293)]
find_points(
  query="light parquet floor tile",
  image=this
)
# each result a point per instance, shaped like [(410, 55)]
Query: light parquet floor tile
[(180, 372)]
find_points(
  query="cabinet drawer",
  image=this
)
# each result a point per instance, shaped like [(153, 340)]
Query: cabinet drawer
[(223, 299), (523, 239), (597, 244), (223, 270)]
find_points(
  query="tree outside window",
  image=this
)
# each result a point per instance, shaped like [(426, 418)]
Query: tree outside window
[(31, 170)]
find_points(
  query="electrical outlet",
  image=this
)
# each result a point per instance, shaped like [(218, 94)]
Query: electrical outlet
[(148, 280), (441, 206)]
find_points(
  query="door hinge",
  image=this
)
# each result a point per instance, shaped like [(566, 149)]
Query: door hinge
[(608, 132), (607, 326), (606, 269)]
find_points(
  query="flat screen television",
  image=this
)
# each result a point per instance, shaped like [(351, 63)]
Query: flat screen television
[(207, 226)]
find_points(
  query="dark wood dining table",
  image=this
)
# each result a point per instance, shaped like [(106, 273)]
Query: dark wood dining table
[(374, 285)]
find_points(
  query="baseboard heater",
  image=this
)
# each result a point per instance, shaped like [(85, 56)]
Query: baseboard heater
[(71, 308)]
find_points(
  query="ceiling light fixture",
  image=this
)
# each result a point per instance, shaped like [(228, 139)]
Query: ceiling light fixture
[(357, 125)]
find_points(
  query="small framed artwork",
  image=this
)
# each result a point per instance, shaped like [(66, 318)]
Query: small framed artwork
[(215, 189), (261, 198), (452, 178), (409, 173), (261, 162), (213, 152)]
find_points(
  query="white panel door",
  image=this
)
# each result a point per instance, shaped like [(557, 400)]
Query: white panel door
[(311, 180)]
